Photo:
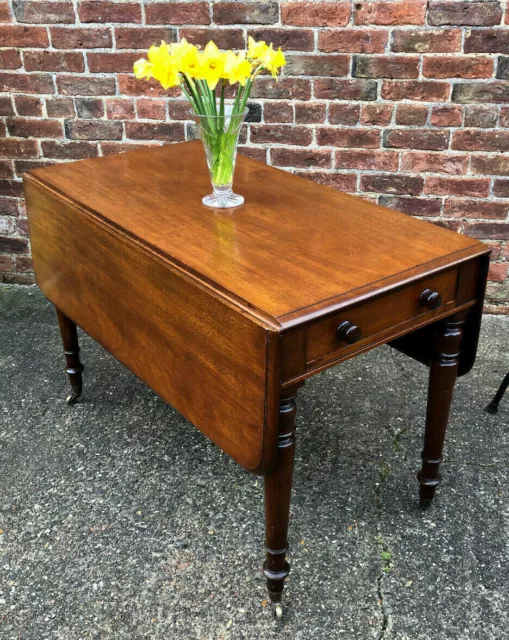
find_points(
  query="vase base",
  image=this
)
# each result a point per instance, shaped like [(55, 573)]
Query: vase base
[(223, 200)]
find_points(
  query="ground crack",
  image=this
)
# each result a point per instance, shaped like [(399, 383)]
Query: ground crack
[(385, 612), (385, 555)]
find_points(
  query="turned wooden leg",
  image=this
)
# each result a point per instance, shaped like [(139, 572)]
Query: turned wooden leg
[(72, 357), (442, 377), (278, 486)]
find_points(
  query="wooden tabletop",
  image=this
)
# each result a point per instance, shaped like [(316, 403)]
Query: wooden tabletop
[(293, 250)]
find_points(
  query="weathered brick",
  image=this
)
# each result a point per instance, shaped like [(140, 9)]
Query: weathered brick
[(254, 153), (71, 61), (278, 111), (41, 12), (390, 13), (414, 206), (148, 109), (120, 109), (39, 83), (447, 116), (501, 188), (417, 162), (59, 107), (13, 245), (497, 272), (334, 89), (93, 130), (341, 113), (10, 59), (83, 86), (411, 114), (490, 165), (110, 148), (171, 132), (6, 264), (497, 92), (475, 187), (385, 67), (287, 39), (285, 88), (341, 137), (24, 263), (287, 134), (68, 150), (9, 207), (128, 85), (116, 62), (5, 13), (318, 65), (503, 120), (34, 128), (431, 139), (101, 11), (282, 157), (6, 171), (487, 41), (89, 107), (144, 37), (352, 40), (19, 36), (6, 108), (474, 140), (245, 12), (457, 67), (177, 13), (460, 208), (378, 114), (309, 112), (387, 183), (481, 117), (224, 38), (90, 38), (488, 230), (425, 91), (340, 181), (316, 14), (28, 106), (367, 160), (27, 165), (503, 68), (429, 41), (474, 14)]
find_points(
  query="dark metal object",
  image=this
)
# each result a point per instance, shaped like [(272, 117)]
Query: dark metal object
[(430, 299), (74, 367), (493, 405), (349, 332)]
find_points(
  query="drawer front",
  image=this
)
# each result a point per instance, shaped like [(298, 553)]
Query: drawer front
[(366, 322)]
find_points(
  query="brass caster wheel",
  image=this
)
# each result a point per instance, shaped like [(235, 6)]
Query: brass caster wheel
[(278, 610), (71, 399)]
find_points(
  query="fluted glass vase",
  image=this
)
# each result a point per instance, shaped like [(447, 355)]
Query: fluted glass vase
[(220, 135)]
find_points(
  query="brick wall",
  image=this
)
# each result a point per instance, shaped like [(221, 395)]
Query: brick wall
[(404, 102)]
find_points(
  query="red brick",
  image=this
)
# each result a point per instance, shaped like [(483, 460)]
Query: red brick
[(318, 65), (286, 134), (386, 67), (426, 91), (112, 62), (488, 230), (89, 107), (484, 92), (71, 61), (363, 138), (151, 109), (387, 183), (497, 272), (309, 112), (93, 130), (253, 153), (459, 208), (167, 131), (245, 12), (32, 128), (28, 165), (490, 165), (120, 109), (474, 14), (367, 160), (20, 82), (179, 110), (316, 14), (411, 114), (339, 181), (481, 117), (10, 59), (28, 106), (414, 206), (476, 187), (177, 13), (6, 264), (68, 150), (457, 67), (224, 38), (131, 86), (284, 88), (352, 40), (143, 37), (390, 13), (334, 89), (487, 41), (504, 117), (501, 188), (110, 148), (5, 13), (99, 11), (13, 245), (474, 140), (60, 107), (6, 108), (341, 113), (18, 36), (378, 114), (11, 189), (416, 162), (281, 157), (417, 41), (41, 12), (24, 263), (82, 86), (91, 38), (6, 169), (417, 139), (287, 39), (447, 116), (277, 112)]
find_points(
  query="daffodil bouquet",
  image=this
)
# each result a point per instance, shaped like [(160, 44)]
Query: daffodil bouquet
[(204, 77)]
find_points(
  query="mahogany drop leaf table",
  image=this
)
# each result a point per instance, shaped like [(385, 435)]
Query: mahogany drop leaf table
[(226, 313)]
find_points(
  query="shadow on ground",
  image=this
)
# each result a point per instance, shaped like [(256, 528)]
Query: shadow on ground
[(120, 521)]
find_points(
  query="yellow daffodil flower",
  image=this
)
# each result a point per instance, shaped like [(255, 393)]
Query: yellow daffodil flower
[(237, 68), (165, 67), (143, 69), (189, 62), (273, 60), (256, 50), (211, 65), (181, 48)]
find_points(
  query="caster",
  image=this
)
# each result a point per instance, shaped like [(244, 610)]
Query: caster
[(71, 399), (492, 408), (278, 610)]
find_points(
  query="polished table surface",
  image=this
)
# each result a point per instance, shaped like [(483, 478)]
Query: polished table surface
[(225, 313)]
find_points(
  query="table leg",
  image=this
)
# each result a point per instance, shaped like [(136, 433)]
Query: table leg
[(442, 377), (74, 367), (278, 486)]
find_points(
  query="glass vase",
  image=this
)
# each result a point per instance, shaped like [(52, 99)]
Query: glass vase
[(220, 135)]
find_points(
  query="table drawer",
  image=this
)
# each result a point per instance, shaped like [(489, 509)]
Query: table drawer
[(350, 329)]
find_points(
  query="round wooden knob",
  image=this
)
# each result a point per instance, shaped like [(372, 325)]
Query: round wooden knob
[(430, 299), (349, 332)]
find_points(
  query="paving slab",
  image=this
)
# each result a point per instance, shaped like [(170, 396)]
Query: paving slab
[(121, 521)]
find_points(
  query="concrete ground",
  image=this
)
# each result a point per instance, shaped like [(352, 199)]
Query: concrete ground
[(120, 520)]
